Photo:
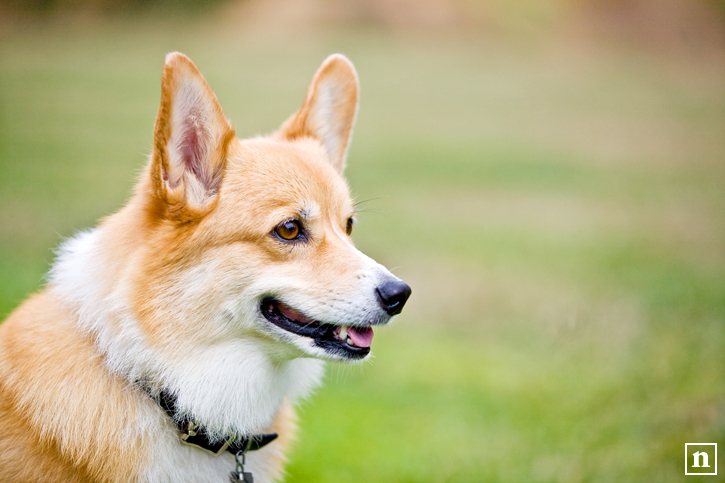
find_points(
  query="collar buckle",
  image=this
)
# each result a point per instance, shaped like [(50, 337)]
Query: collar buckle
[(188, 430), (192, 435)]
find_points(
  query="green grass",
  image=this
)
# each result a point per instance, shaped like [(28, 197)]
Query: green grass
[(559, 213)]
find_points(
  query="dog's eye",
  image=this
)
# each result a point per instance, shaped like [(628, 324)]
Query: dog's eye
[(288, 230), (350, 224)]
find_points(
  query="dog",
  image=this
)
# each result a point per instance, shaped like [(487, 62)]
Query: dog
[(174, 339)]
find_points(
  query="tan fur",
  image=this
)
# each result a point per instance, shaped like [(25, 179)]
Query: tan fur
[(52, 378), (64, 415)]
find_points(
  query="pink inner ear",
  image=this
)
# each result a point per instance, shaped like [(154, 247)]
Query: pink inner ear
[(192, 148), (196, 131)]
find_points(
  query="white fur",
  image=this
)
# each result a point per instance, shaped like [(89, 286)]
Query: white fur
[(230, 387)]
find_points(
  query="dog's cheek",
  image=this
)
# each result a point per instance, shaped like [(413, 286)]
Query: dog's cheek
[(193, 303)]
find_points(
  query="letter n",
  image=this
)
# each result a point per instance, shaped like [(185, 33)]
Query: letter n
[(696, 457)]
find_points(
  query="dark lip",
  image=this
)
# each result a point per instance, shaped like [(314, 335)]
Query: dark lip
[(323, 334)]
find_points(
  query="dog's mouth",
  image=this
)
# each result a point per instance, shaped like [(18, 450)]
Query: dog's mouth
[(347, 341)]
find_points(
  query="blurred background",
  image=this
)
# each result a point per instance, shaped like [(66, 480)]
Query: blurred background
[(549, 177)]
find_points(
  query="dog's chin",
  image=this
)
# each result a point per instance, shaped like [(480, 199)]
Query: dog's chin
[(338, 342)]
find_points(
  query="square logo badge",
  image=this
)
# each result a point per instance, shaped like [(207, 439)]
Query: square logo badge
[(701, 458)]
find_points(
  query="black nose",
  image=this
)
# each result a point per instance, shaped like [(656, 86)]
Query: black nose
[(392, 296)]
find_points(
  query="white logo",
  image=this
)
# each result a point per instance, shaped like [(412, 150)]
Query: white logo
[(701, 458)]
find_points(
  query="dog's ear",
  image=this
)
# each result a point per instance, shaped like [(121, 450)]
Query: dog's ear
[(328, 113), (190, 141)]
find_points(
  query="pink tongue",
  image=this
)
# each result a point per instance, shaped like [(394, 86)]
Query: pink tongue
[(361, 337)]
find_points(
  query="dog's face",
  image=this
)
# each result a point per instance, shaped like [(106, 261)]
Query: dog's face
[(252, 238)]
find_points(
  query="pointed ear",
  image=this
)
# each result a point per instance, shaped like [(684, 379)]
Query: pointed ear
[(190, 141), (328, 113)]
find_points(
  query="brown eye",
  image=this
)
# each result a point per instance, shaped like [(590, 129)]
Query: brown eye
[(288, 230), (350, 224)]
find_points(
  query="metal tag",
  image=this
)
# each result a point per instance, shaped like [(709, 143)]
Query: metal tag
[(243, 477)]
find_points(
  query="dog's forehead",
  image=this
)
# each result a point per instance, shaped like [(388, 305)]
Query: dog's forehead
[(284, 173)]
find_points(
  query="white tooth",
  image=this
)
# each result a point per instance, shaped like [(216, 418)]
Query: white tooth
[(343, 333), (348, 341)]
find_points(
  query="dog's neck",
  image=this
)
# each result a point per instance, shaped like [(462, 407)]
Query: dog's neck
[(231, 386)]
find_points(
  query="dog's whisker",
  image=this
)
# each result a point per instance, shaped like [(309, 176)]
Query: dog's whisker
[(369, 211), (357, 203)]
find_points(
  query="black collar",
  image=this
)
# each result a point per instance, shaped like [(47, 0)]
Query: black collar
[(194, 434)]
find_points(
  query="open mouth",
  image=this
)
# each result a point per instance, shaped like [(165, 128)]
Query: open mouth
[(348, 341)]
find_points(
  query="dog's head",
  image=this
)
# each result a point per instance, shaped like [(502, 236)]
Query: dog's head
[(252, 237)]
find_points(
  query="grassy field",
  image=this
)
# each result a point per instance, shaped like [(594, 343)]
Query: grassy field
[(558, 211)]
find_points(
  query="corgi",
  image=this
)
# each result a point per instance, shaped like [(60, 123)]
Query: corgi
[(173, 340)]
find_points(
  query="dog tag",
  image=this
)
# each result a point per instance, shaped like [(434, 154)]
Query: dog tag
[(241, 477)]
